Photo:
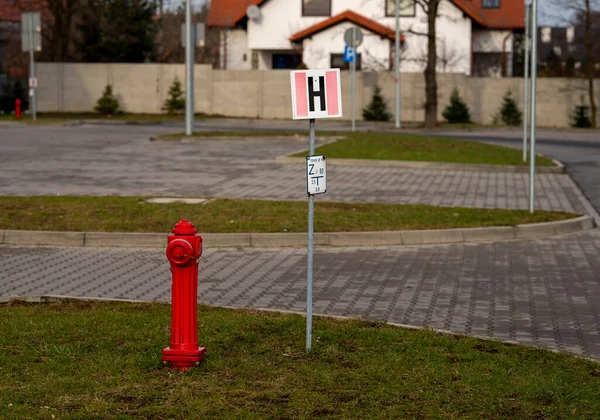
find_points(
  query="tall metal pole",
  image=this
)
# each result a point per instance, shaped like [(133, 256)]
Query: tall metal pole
[(189, 70), (397, 66), (353, 81), (32, 66), (534, 55), (526, 80), (309, 268)]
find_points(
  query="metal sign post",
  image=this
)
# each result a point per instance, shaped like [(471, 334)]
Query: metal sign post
[(526, 92), (534, 16), (397, 66), (315, 94), (31, 41), (353, 38), (32, 69), (189, 70), (311, 234)]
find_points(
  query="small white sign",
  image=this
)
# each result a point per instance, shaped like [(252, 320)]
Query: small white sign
[(316, 175), (316, 94), (33, 82)]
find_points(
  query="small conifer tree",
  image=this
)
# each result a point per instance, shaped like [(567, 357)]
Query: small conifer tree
[(457, 111), (108, 103), (377, 109), (175, 102), (580, 118), (510, 113)]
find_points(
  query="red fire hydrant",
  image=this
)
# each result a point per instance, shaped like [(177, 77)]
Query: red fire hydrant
[(183, 251), (17, 108)]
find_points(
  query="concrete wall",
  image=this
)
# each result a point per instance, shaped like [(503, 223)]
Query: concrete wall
[(143, 88)]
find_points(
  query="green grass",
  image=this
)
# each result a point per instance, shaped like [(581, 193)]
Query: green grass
[(80, 360), (422, 148), (131, 214)]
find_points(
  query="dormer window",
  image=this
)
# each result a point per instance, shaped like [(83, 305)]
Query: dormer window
[(491, 4), (316, 7), (407, 8)]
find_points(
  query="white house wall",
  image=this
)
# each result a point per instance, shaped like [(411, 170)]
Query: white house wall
[(495, 42), (234, 52), (375, 51), (492, 41), (280, 19)]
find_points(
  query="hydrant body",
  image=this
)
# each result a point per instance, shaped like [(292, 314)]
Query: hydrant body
[(183, 251), (17, 108)]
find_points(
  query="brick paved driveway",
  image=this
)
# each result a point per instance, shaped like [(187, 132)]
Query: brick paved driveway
[(120, 160), (544, 293)]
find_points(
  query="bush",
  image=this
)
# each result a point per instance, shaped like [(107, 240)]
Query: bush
[(581, 117), (108, 103), (509, 113), (175, 102), (11, 91), (377, 109), (457, 111)]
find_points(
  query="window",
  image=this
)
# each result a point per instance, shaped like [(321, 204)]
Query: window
[(407, 8), (337, 62), (490, 4), (286, 61), (570, 34), (546, 34), (316, 7)]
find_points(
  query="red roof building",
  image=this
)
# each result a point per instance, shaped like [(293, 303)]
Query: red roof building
[(474, 36)]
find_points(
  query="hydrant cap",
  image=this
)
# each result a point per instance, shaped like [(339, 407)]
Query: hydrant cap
[(184, 228)]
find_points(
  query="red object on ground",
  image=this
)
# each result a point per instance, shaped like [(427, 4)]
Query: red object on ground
[(17, 108), (183, 251)]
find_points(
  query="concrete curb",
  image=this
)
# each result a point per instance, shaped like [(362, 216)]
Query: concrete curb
[(282, 240), (441, 166)]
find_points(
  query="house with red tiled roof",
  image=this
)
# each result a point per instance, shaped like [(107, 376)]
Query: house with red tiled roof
[(475, 37), (10, 35)]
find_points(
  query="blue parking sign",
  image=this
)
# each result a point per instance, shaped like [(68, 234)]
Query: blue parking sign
[(349, 54)]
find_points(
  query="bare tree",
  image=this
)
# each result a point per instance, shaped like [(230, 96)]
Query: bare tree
[(431, 9), (584, 12)]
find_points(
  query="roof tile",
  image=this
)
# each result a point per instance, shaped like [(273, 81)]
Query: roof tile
[(350, 16), (510, 14)]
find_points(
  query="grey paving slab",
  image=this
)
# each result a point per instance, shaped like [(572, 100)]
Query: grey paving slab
[(120, 160), (544, 293)]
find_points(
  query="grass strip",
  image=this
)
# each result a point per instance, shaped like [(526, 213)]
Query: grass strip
[(381, 146), (386, 146), (132, 214), (103, 360)]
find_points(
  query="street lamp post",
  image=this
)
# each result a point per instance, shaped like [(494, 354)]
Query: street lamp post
[(534, 31), (189, 70), (397, 66)]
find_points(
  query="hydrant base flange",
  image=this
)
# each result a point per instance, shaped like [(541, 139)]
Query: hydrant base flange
[(179, 358)]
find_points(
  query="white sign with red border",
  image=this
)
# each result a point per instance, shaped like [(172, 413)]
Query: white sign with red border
[(33, 82), (316, 94)]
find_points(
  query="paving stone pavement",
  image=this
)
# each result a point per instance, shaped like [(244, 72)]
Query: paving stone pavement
[(90, 160), (544, 293)]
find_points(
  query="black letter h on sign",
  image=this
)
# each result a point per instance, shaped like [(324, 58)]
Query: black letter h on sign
[(320, 93)]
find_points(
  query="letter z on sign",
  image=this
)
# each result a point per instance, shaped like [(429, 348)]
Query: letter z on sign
[(316, 94), (316, 175)]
